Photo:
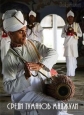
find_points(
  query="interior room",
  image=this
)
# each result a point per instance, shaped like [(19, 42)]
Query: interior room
[(52, 17)]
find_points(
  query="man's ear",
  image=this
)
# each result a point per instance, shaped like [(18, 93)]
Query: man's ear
[(10, 33)]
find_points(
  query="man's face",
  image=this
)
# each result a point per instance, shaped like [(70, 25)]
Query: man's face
[(32, 18), (70, 19), (18, 37)]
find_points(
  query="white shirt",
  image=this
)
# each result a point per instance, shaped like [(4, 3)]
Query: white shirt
[(71, 42), (14, 79), (36, 33)]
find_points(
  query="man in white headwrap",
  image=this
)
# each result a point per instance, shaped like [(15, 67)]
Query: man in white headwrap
[(5, 42), (5, 45), (35, 31), (71, 32), (21, 65)]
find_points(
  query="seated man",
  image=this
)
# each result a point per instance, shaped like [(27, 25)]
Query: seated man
[(22, 64)]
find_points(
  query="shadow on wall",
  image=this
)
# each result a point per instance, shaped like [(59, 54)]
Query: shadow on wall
[(14, 5)]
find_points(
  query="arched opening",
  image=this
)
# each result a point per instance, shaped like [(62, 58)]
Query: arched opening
[(52, 25)]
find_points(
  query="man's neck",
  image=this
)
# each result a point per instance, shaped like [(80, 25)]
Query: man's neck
[(13, 45), (70, 23), (30, 26)]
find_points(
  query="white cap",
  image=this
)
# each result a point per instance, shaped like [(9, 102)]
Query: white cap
[(13, 20), (70, 13), (32, 13)]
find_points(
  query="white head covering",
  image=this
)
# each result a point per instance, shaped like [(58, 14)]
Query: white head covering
[(32, 13), (70, 13), (13, 20)]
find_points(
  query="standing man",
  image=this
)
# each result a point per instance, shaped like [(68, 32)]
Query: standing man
[(71, 32), (35, 31), (5, 44), (21, 78)]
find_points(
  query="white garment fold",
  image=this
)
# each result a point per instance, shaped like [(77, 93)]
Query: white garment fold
[(5, 45), (71, 66), (36, 33), (71, 47)]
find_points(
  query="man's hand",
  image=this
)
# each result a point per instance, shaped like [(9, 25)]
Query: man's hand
[(31, 66), (75, 33), (53, 72), (27, 71), (34, 66)]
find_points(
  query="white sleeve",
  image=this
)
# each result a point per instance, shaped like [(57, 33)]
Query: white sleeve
[(63, 35), (49, 55), (79, 32), (12, 83), (49, 58), (40, 29)]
